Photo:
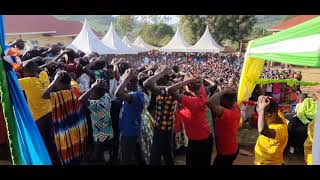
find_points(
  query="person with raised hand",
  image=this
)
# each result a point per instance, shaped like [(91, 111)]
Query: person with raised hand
[(273, 133), (200, 138), (162, 144), (226, 115), (130, 121), (34, 83), (98, 100), (69, 122)]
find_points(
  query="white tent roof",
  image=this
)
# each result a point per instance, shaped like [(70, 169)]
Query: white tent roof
[(206, 44), (113, 41), (127, 42), (140, 43), (176, 44), (88, 42)]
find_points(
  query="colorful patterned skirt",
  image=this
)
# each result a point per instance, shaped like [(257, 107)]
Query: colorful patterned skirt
[(70, 127), (147, 128)]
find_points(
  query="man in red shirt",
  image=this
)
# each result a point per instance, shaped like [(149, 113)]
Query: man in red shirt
[(226, 114), (197, 129)]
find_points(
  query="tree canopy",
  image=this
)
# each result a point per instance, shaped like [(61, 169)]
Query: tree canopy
[(192, 27), (222, 27), (157, 34), (124, 24)]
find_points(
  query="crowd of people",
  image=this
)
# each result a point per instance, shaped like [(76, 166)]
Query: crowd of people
[(137, 109)]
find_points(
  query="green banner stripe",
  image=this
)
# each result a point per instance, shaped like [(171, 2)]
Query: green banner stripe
[(310, 59), (308, 28), (290, 82)]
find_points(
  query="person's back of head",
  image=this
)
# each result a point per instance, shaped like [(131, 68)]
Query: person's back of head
[(30, 68), (175, 68), (71, 55), (100, 63), (65, 82), (228, 100), (80, 54), (123, 68), (83, 62)]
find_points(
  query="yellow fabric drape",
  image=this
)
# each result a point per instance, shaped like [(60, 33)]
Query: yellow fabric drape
[(251, 72)]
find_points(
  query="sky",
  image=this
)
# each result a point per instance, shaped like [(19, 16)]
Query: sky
[(174, 19)]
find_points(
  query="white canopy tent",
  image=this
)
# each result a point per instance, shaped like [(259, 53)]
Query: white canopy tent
[(206, 44), (176, 44), (88, 42), (140, 43), (113, 41), (128, 43)]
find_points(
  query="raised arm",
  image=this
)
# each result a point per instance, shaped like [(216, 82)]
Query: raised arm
[(51, 87), (214, 104), (86, 96), (212, 83), (87, 69), (116, 70), (120, 92), (173, 89), (263, 102), (54, 60), (150, 83)]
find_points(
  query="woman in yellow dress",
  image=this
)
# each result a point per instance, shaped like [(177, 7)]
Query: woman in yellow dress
[(273, 133)]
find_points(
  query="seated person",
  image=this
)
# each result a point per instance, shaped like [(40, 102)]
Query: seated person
[(297, 127)]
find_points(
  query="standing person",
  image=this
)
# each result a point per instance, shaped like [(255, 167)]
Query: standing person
[(69, 122), (147, 124), (33, 84), (162, 144), (130, 121), (200, 138), (273, 133), (226, 115), (84, 79), (114, 78), (99, 104)]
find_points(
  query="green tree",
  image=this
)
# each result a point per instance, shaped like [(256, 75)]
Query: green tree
[(156, 34), (192, 27), (231, 27), (124, 24)]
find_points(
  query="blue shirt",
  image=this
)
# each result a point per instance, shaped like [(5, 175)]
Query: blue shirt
[(130, 121)]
